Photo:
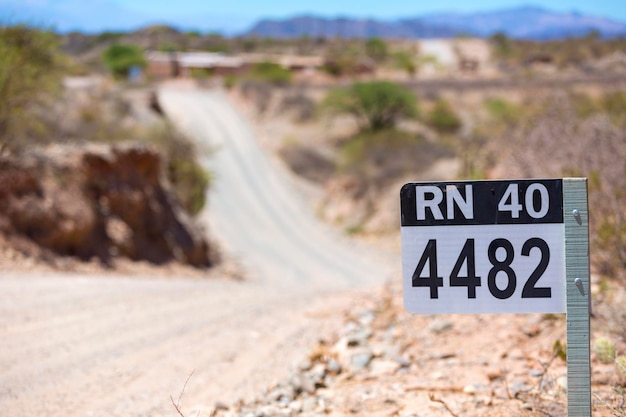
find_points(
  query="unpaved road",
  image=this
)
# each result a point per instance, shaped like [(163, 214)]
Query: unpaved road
[(74, 345)]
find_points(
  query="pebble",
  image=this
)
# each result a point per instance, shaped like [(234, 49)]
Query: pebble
[(470, 389), (518, 387), (361, 359), (301, 383), (494, 374), (367, 318), (359, 338), (440, 326), (403, 362), (333, 367), (383, 367), (309, 404), (296, 406)]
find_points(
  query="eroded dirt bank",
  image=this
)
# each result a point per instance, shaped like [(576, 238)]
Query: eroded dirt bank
[(96, 201)]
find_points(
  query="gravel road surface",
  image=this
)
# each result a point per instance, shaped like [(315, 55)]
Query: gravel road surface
[(107, 345)]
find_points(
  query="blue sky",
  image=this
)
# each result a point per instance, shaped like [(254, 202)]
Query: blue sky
[(232, 16)]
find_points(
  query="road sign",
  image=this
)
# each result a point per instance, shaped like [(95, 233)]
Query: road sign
[(516, 246), (483, 247)]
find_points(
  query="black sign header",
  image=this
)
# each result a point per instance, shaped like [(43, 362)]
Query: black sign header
[(532, 201)]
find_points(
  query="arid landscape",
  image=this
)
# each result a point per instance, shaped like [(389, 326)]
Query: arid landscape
[(198, 225)]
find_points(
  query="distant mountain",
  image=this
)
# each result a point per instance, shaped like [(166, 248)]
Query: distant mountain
[(522, 23), (530, 23), (349, 28)]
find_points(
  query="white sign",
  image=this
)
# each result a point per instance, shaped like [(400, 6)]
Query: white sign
[(483, 247)]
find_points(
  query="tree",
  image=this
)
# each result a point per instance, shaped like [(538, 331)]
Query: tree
[(120, 58), (376, 49), (502, 45), (29, 75), (376, 105)]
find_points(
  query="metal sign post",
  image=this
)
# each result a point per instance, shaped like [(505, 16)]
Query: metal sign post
[(575, 215)]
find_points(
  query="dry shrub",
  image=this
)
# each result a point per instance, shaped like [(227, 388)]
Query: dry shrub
[(560, 143), (259, 92), (308, 162), (378, 159), (298, 103)]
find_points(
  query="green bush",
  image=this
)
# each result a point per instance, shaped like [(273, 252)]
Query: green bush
[(190, 182), (229, 81), (604, 350), (620, 364), (189, 179), (443, 118), (376, 105), (377, 49), (30, 75), (120, 58), (405, 61), (271, 73), (343, 60)]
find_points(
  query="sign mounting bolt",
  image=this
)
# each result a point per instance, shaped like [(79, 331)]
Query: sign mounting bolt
[(576, 213)]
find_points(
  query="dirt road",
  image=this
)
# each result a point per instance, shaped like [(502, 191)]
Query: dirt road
[(76, 345)]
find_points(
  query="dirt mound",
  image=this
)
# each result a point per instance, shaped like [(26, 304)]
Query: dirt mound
[(98, 202)]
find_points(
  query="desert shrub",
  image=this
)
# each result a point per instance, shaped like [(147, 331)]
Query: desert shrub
[(620, 365), (299, 104), (376, 105), (553, 141), (308, 162), (378, 158), (105, 116), (108, 36), (564, 53), (119, 58), (615, 105), (215, 43), (377, 49), (271, 73), (502, 46), (188, 178), (405, 61), (443, 118), (190, 181), (343, 60), (30, 75), (259, 92), (604, 350), (503, 111), (229, 81)]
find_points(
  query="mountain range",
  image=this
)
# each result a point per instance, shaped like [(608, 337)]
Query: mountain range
[(522, 23), (95, 16)]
